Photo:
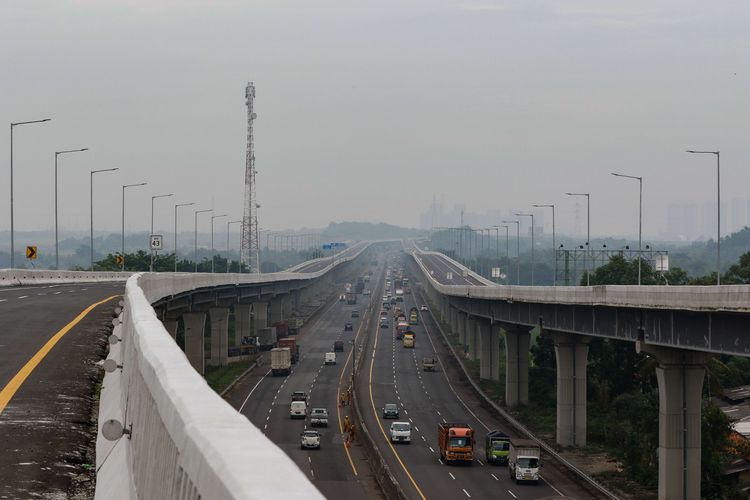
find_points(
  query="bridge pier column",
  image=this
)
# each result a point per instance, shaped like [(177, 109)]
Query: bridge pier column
[(295, 300), (471, 338), (242, 322), (171, 326), (453, 319), (680, 375), (484, 338), (444, 309), (571, 353), (195, 324), (517, 340), (260, 315), (461, 319), (219, 317), (494, 352), (275, 311)]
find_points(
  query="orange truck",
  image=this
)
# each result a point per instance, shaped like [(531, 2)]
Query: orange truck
[(456, 442)]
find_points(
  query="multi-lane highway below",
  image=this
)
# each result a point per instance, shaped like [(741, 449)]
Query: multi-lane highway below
[(394, 374), (50, 339), (336, 470)]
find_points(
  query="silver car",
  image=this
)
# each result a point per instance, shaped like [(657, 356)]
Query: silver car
[(310, 439)]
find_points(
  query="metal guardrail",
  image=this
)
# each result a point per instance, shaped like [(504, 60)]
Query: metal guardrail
[(510, 419)]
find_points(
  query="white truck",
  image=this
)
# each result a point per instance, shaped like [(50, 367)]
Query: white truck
[(281, 361), (523, 460)]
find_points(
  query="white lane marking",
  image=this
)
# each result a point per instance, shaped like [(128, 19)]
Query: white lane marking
[(58, 293), (496, 479), (430, 447), (512, 494), (467, 493), (71, 291), (423, 439), (23, 296), (41, 294), (410, 420), (480, 462), (253, 389), (3, 300), (550, 485), (452, 476), (441, 462)]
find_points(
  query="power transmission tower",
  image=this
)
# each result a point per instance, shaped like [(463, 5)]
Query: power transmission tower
[(250, 248)]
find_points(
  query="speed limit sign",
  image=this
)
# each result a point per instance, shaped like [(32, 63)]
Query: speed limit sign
[(157, 241)]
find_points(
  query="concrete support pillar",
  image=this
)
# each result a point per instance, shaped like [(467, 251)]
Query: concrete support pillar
[(242, 323), (453, 319), (195, 324), (171, 326), (461, 328), (260, 315), (295, 301), (680, 376), (484, 346), (571, 352), (494, 352), (443, 308), (278, 309), (471, 338), (517, 340), (219, 317)]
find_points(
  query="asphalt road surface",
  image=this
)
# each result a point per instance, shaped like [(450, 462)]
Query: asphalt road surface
[(446, 272), (337, 471), (45, 418), (394, 375)]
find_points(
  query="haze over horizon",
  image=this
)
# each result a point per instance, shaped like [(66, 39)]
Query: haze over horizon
[(366, 111)]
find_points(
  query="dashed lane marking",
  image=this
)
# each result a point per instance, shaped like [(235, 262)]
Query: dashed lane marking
[(452, 476)]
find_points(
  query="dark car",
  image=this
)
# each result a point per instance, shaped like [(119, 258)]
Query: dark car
[(348, 327), (384, 324), (355, 313), (390, 410)]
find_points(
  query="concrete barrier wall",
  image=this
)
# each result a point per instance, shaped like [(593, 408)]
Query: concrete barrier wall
[(16, 277), (691, 298), (186, 442)]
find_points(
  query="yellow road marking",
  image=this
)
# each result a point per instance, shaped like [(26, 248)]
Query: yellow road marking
[(15, 383), (377, 419)]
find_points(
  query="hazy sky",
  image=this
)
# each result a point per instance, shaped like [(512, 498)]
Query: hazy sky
[(367, 109)]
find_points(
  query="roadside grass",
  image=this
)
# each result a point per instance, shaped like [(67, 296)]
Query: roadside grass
[(219, 377)]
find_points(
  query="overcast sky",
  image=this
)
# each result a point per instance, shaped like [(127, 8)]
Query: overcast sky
[(367, 109)]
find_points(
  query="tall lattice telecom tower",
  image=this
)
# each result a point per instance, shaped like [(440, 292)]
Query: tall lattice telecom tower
[(250, 248)]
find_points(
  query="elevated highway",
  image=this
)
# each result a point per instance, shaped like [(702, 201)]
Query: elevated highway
[(679, 326)]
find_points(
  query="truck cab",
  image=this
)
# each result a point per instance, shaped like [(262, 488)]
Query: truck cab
[(496, 447), (409, 340), (456, 442), (523, 460)]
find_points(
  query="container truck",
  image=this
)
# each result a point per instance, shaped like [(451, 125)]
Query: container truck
[(281, 361), (282, 329), (351, 298), (456, 442), (291, 343), (496, 447), (266, 338), (523, 460), (413, 316), (409, 340)]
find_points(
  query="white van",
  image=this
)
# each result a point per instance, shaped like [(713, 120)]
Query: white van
[(298, 409), (330, 358), (400, 432)]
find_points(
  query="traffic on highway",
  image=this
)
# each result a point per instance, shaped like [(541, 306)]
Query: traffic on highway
[(434, 436)]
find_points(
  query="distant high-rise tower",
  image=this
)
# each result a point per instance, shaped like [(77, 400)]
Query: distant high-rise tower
[(250, 247)]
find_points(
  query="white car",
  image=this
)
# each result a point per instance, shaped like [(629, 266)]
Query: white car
[(310, 439), (330, 358), (298, 409), (319, 416), (423, 308), (400, 432)]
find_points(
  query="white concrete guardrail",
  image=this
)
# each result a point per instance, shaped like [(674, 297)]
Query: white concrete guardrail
[(730, 298), (16, 277), (181, 441)]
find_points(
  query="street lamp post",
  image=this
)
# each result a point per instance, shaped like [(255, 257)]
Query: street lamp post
[(554, 244), (213, 256), (640, 217), (228, 224), (91, 189), (507, 248), (12, 220), (532, 243), (588, 234), (151, 267), (175, 230), (518, 248), (122, 233), (718, 210), (58, 153), (195, 255)]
